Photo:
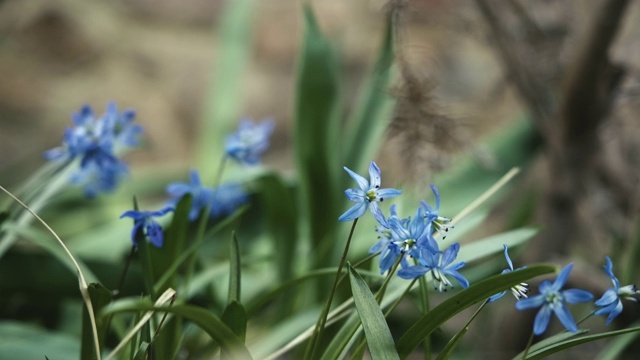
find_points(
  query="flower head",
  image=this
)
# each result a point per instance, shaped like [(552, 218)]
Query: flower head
[(249, 141), (404, 238), (552, 299), (611, 301), (226, 198), (369, 195), (432, 217), (202, 196), (519, 291), (95, 141), (440, 265), (144, 220)]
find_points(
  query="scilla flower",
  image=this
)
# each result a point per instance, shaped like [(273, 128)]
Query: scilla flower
[(440, 265), (249, 141), (519, 291), (202, 196), (144, 220), (611, 301), (368, 195), (432, 217), (552, 299)]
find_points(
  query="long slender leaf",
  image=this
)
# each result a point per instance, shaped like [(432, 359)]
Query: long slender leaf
[(207, 321), (375, 326), (460, 301), (235, 317), (234, 270), (563, 345), (100, 297), (616, 347), (316, 131)]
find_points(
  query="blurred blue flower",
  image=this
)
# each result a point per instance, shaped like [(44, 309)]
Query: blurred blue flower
[(406, 236), (227, 198), (249, 141), (368, 194), (95, 141), (440, 265), (202, 196), (431, 215), (144, 220), (552, 299), (611, 301), (519, 291)]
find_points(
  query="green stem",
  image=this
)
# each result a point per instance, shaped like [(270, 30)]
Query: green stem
[(526, 350), (316, 338), (118, 290), (424, 300)]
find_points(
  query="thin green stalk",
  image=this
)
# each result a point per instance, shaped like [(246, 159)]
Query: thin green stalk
[(526, 350), (448, 349), (424, 300), (118, 290), (316, 338)]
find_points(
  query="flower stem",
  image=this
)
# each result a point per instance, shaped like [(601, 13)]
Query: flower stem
[(424, 299), (118, 290), (315, 340), (526, 350)]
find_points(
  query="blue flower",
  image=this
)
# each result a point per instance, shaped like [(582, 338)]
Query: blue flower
[(249, 141), (226, 198), (552, 299), (519, 291), (144, 220), (406, 236), (431, 215), (611, 301), (440, 265), (202, 196), (368, 194), (95, 141)]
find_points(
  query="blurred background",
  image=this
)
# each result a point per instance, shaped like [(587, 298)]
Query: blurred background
[(565, 74)]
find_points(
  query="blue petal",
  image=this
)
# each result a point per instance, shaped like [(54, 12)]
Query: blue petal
[(194, 177), (374, 175), (562, 277), (506, 255), (412, 272), (542, 319), (450, 254), (362, 182), (355, 195), (437, 195), (566, 318), (377, 213), (530, 303), (497, 296), (135, 215), (574, 296), (614, 312), (388, 193), (608, 268), (607, 298), (459, 278), (355, 212), (154, 233)]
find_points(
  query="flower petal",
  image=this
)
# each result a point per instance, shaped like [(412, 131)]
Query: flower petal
[(412, 272), (355, 195), (355, 212), (541, 321), (530, 303), (506, 255), (374, 175), (459, 278), (562, 278), (437, 195), (607, 298), (450, 254), (363, 184), (377, 212), (497, 296), (565, 318), (574, 296), (388, 193)]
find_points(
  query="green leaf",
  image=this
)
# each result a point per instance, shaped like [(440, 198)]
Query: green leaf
[(232, 345), (447, 351), (26, 341), (563, 345), (552, 340), (490, 245), (373, 110), (315, 133), (460, 301), (141, 354), (224, 101), (379, 339), (614, 349), (235, 317), (234, 271), (100, 297)]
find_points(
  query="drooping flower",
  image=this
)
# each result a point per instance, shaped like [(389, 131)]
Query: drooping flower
[(95, 141), (144, 220), (440, 265), (552, 299), (611, 301), (202, 196), (249, 141), (368, 195), (519, 291), (405, 238), (432, 216)]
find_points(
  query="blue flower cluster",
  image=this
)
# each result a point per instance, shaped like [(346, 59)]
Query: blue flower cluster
[(402, 239), (96, 141), (247, 144)]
